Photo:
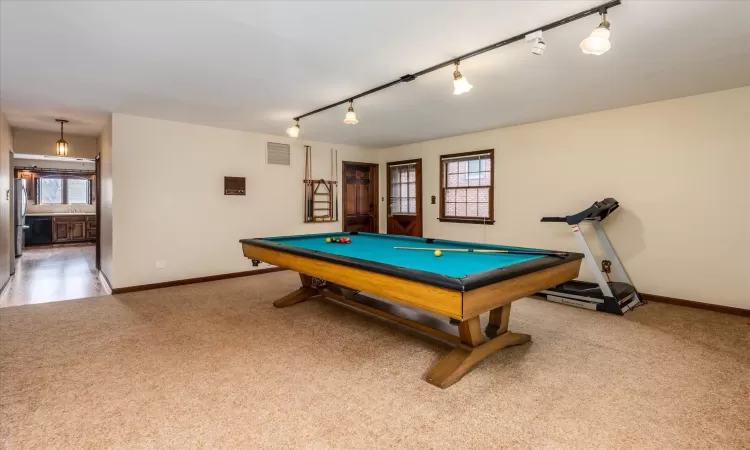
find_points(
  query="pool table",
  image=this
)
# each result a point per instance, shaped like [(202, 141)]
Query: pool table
[(418, 289)]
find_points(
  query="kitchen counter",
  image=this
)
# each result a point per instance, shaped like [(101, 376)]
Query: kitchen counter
[(62, 214)]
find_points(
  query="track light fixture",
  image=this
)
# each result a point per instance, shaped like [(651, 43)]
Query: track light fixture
[(460, 83), (596, 44), (598, 41), (293, 131), (62, 144), (351, 116), (537, 42)]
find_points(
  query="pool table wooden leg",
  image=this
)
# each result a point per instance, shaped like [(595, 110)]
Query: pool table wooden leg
[(300, 295), (471, 351)]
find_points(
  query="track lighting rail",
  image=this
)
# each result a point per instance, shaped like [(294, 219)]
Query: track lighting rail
[(601, 9)]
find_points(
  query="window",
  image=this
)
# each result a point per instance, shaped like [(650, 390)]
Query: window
[(403, 188), (78, 191), (63, 189), (50, 191), (466, 185)]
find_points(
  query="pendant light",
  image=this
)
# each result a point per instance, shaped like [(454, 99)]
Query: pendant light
[(293, 131), (62, 145), (351, 116), (460, 83), (598, 42)]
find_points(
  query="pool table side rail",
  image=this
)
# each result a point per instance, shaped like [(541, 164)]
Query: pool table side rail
[(465, 284), (446, 302)]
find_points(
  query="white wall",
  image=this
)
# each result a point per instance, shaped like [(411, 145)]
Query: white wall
[(169, 203), (7, 226), (679, 168), (53, 164), (37, 142), (105, 230)]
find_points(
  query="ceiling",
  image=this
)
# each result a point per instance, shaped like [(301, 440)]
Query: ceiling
[(255, 65)]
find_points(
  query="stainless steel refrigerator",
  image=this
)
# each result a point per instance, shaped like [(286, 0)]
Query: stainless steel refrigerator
[(19, 190)]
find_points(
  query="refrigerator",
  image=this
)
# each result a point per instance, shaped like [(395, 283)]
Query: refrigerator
[(19, 190)]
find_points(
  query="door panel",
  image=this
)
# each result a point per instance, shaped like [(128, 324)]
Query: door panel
[(360, 197), (405, 197), (60, 232), (77, 230)]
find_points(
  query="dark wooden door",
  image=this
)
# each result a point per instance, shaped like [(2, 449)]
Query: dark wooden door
[(60, 231), (405, 197), (77, 231), (360, 197)]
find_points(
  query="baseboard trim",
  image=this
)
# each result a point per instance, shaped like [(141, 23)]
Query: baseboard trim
[(6, 283), (225, 276), (697, 305), (106, 280)]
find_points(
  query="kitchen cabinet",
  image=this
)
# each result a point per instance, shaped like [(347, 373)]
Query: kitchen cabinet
[(73, 228), (60, 231), (54, 229), (77, 231), (91, 227)]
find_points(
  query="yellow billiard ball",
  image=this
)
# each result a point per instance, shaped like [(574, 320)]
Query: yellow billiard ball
[(328, 240), (438, 253)]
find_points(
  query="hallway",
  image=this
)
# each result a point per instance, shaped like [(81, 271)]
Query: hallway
[(54, 273)]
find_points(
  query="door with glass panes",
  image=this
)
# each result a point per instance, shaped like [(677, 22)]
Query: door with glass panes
[(405, 197)]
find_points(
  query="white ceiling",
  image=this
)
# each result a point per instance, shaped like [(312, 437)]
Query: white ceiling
[(255, 65)]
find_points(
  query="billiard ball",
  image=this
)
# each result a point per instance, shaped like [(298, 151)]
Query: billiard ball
[(328, 240), (438, 253)]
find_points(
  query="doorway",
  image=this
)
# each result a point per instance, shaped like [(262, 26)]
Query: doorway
[(56, 255), (360, 197), (405, 197)]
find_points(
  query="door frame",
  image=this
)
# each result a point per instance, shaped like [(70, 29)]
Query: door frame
[(374, 178), (98, 206), (420, 214)]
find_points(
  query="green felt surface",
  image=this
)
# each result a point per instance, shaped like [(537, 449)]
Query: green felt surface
[(380, 248)]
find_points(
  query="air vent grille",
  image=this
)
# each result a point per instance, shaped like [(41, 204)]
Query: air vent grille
[(278, 154)]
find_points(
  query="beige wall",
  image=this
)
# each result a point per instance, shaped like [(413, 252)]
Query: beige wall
[(680, 169), (7, 231), (43, 143), (106, 195), (169, 203)]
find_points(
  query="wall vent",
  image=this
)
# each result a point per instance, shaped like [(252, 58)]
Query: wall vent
[(279, 154)]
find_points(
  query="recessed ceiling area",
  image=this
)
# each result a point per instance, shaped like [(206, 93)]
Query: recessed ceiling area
[(255, 65)]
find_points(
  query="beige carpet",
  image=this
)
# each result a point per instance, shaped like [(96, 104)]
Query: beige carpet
[(214, 365)]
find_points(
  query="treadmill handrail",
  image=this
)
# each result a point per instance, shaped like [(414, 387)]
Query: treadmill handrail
[(598, 211)]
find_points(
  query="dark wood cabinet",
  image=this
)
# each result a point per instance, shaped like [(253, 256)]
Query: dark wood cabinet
[(60, 231), (77, 231), (73, 228)]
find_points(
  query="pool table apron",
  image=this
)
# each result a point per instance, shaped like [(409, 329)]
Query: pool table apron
[(471, 346)]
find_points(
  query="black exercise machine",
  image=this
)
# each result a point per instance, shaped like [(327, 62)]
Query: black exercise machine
[(614, 297)]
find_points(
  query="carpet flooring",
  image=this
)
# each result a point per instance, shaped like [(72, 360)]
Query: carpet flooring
[(214, 365)]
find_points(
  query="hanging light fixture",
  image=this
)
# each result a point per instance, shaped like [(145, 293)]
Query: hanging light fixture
[(460, 83), (351, 116), (293, 131), (598, 41), (62, 145)]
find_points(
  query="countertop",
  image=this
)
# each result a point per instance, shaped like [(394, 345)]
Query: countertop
[(61, 214)]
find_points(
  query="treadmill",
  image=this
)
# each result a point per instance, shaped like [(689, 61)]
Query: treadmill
[(615, 297)]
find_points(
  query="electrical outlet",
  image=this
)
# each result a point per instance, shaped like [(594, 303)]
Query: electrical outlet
[(160, 264), (606, 266)]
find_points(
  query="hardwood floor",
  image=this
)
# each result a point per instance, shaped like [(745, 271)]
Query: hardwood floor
[(54, 273)]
